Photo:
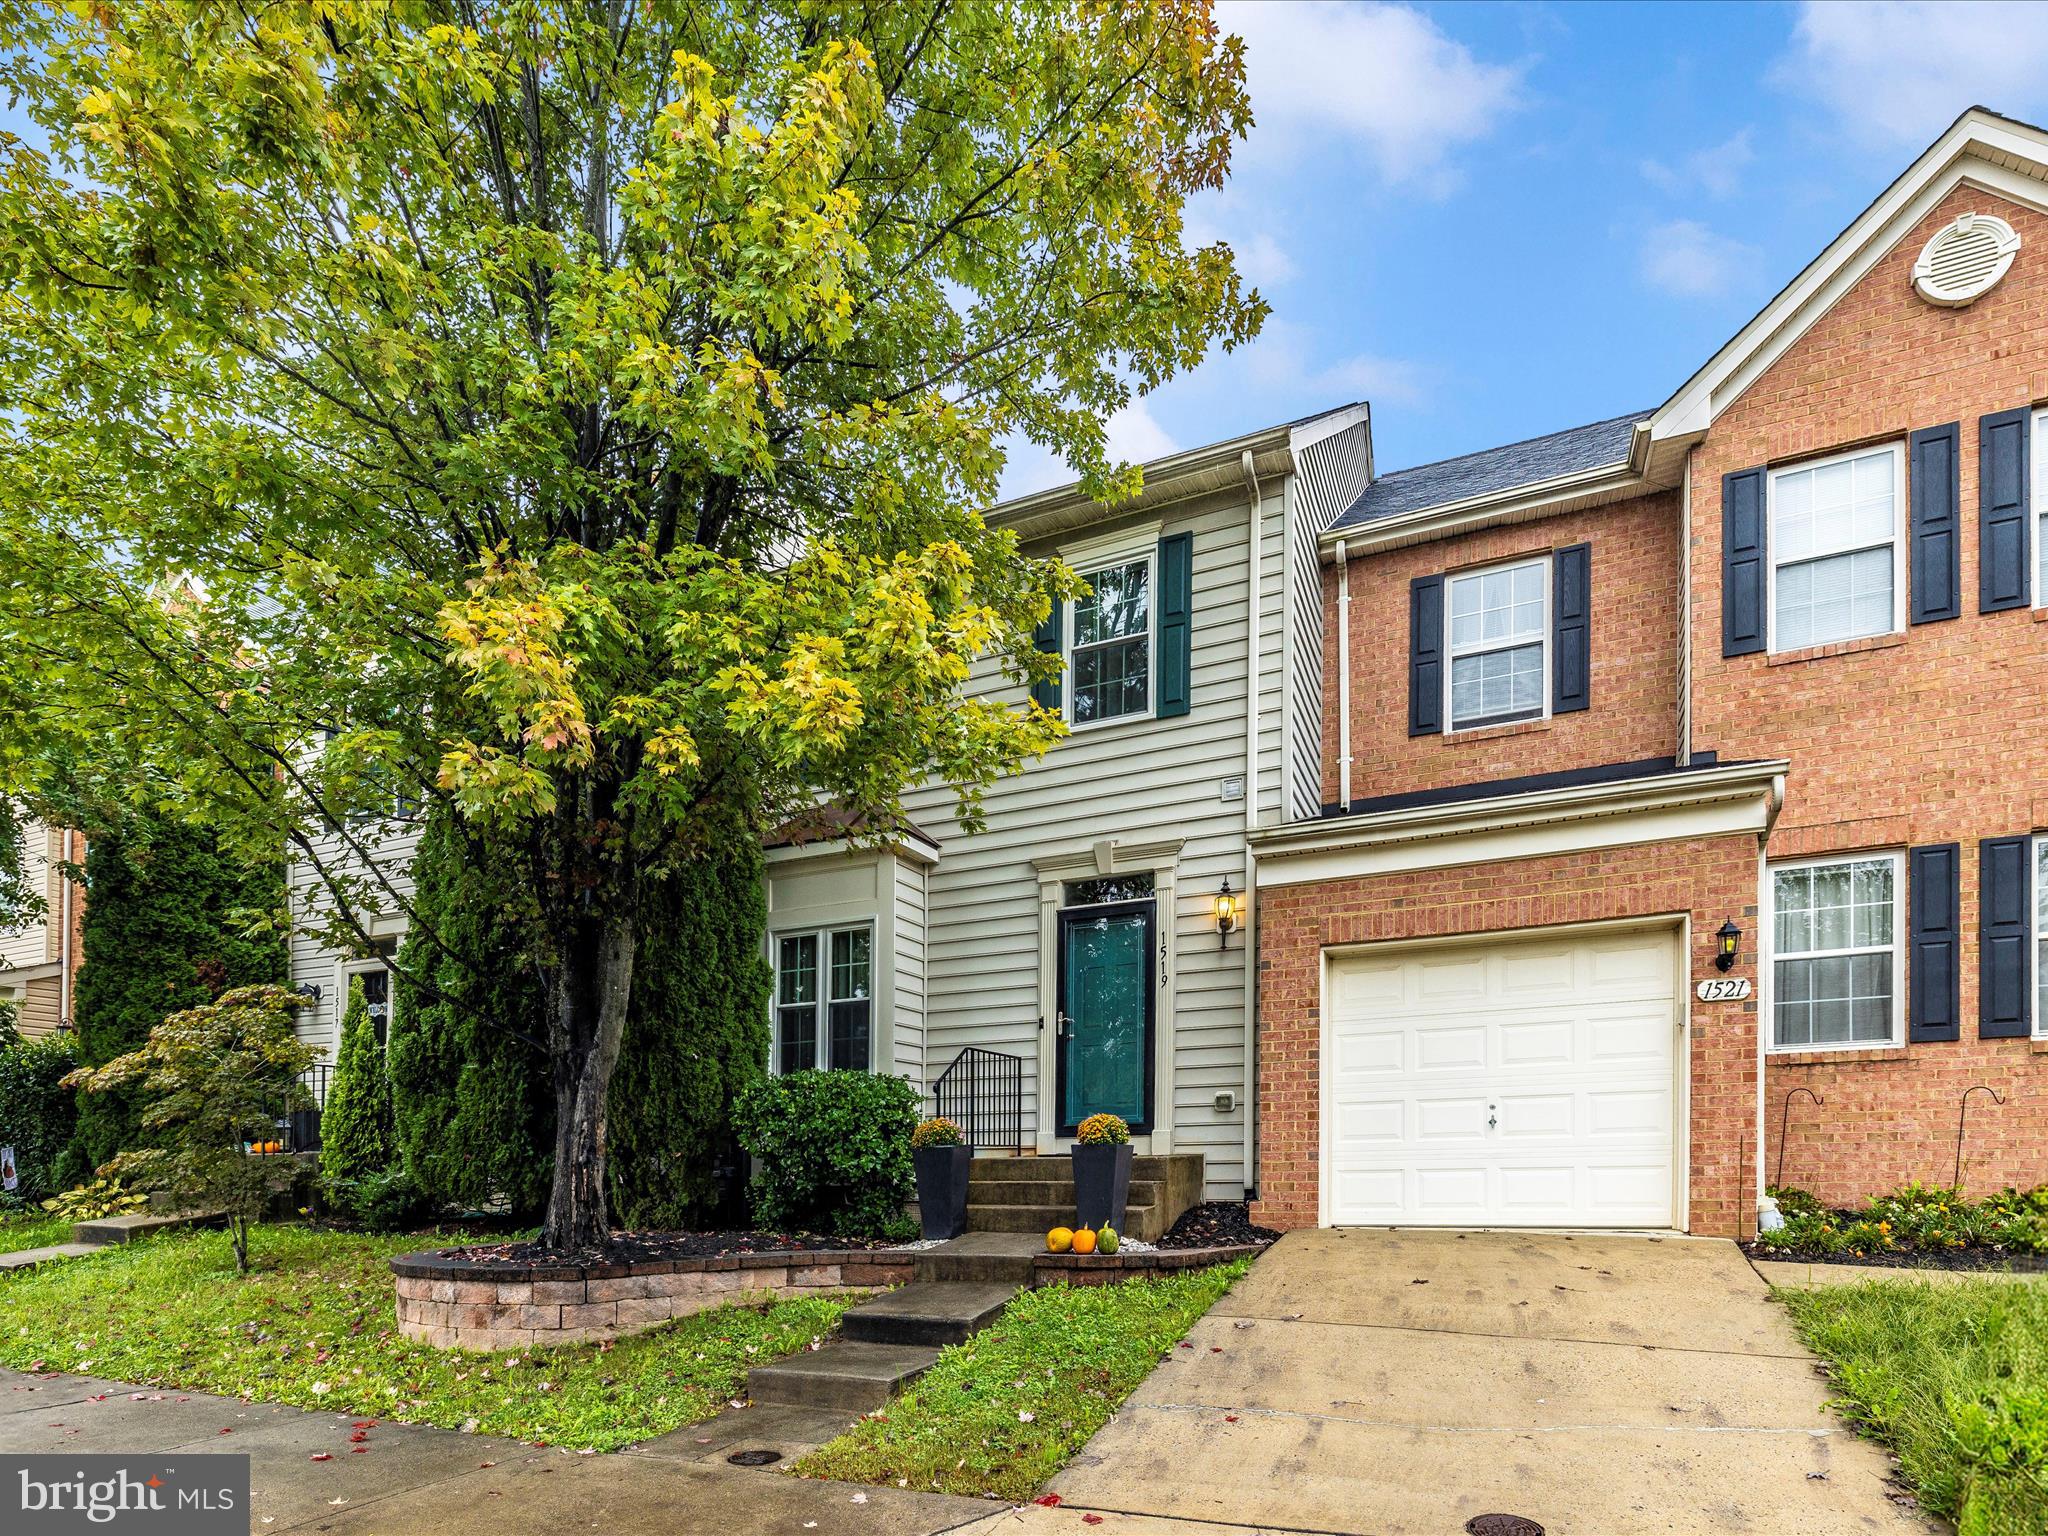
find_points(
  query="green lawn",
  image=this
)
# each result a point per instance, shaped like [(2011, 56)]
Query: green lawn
[(314, 1326), (1001, 1413), (1955, 1379), (28, 1230)]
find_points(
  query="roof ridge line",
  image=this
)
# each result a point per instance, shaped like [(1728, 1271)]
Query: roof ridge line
[(1584, 426)]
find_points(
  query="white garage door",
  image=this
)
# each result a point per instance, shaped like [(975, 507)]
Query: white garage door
[(1503, 1083)]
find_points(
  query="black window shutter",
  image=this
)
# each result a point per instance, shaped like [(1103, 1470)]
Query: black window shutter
[(2002, 541), (1047, 638), (1933, 962), (1935, 476), (1571, 624), (1743, 570), (1425, 655), (2005, 896), (1176, 624)]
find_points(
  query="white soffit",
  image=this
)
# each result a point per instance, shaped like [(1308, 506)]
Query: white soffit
[(1997, 155)]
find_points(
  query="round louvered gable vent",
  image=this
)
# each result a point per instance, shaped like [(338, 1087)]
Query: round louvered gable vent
[(1965, 260)]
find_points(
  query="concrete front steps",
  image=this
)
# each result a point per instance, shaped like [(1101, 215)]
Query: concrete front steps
[(886, 1343), (1036, 1194), (109, 1230)]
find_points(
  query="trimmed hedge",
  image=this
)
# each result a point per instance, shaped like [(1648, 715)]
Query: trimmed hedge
[(834, 1149), (38, 1114)]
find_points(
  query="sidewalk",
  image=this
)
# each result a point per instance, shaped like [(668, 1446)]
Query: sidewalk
[(403, 1479)]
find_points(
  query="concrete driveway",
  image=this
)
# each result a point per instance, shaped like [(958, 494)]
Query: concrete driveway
[(1402, 1382)]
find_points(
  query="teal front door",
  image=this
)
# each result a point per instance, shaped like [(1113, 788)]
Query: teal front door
[(1106, 1026)]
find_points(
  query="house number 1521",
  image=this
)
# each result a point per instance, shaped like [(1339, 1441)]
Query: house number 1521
[(1723, 989)]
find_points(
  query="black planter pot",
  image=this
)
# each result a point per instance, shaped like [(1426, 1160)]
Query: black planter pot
[(1102, 1184), (942, 1189)]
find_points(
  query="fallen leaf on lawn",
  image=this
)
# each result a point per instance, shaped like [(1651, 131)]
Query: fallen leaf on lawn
[(1025, 1416), (321, 1389)]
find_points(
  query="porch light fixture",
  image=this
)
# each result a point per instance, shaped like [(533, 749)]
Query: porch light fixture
[(1229, 909), (1730, 937)]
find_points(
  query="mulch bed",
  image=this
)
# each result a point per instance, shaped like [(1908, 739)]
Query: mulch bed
[(656, 1247), (1218, 1224), (1988, 1259)]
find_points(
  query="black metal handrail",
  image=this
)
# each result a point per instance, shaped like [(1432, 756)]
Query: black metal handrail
[(983, 1094), (302, 1126)]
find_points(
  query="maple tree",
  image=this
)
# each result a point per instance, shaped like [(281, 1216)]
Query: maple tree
[(578, 412)]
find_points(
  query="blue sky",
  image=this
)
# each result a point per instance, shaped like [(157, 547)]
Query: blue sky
[(1495, 221)]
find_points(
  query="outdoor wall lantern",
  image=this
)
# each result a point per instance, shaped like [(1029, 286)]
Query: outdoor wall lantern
[(1229, 909), (1730, 937)]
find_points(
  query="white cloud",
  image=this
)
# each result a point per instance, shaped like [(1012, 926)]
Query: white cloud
[(1385, 78), (1262, 261), (1899, 73), (1685, 258), (1133, 435), (1281, 362), (1717, 169)]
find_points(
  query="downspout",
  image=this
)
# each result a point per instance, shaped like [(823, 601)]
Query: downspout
[(64, 939), (1254, 595), (1343, 681)]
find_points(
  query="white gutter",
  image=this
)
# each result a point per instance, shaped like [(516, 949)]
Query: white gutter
[(1576, 802), (1343, 677), (1254, 594)]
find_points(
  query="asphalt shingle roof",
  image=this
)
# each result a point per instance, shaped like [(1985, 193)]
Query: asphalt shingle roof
[(1492, 469)]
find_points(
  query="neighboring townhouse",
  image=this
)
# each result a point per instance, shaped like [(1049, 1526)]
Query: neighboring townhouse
[(1757, 669), (39, 959), (1513, 840)]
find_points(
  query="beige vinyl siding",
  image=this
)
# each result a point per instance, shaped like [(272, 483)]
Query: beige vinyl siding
[(1135, 781), (41, 1006), (37, 941), (315, 959), (906, 1006), (1334, 471)]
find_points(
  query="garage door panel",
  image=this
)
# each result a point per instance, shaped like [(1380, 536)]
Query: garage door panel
[(1450, 1047), (1500, 1083), (1527, 1115), (1537, 1042)]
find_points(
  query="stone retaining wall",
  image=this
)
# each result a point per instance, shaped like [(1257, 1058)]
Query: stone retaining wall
[(454, 1303), (1108, 1268)]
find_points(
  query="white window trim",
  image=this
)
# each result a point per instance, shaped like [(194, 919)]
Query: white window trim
[(1768, 951), (821, 1008), (1900, 495), (2037, 473), (1543, 638), (2035, 848), (1149, 558)]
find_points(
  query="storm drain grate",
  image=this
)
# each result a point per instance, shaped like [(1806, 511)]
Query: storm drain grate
[(1502, 1525), (769, 1458)]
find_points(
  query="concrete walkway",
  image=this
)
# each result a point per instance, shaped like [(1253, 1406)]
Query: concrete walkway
[(412, 1480), (1402, 1382)]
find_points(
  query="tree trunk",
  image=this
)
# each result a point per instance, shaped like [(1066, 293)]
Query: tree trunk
[(590, 1027)]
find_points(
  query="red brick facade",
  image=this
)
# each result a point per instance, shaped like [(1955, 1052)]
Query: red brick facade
[(1708, 879), (1634, 656), (1935, 735)]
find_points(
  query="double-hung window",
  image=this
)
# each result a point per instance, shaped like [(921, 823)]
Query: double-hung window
[(1110, 650), (2041, 936), (824, 1005), (1499, 628), (1835, 952), (1834, 546), (2038, 469)]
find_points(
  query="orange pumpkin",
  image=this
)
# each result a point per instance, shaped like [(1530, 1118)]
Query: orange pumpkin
[(1084, 1240)]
